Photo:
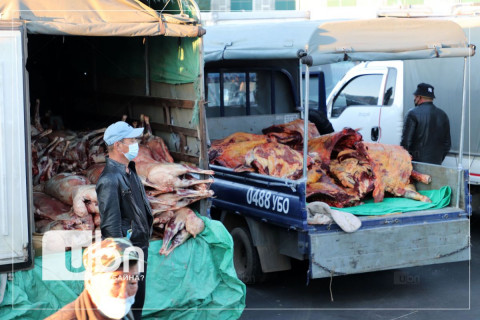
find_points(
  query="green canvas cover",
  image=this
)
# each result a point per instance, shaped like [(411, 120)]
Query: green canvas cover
[(440, 199), (172, 60), (196, 281)]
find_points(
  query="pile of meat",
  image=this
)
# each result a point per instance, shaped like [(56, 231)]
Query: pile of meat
[(67, 165), (342, 169)]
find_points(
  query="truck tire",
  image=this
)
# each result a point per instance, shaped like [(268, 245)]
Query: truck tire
[(245, 257)]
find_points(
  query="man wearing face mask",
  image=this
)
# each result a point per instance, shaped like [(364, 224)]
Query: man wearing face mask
[(426, 130), (110, 287), (124, 208)]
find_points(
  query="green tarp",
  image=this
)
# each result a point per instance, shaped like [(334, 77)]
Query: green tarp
[(196, 281), (171, 60), (440, 199)]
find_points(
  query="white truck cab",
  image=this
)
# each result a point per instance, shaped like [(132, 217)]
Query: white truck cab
[(370, 97)]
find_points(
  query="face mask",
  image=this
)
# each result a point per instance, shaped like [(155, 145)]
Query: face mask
[(415, 102), (132, 151), (114, 308)]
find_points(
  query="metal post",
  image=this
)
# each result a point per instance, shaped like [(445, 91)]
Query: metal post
[(462, 133), (147, 69), (301, 84), (305, 113)]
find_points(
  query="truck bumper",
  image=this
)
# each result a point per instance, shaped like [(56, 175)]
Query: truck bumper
[(389, 247)]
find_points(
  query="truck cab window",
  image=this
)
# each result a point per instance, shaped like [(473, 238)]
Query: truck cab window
[(258, 92), (360, 91), (389, 94)]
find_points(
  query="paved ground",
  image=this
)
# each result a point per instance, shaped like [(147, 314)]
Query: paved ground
[(440, 292)]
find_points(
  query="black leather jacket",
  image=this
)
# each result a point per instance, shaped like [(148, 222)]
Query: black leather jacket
[(426, 133), (118, 210)]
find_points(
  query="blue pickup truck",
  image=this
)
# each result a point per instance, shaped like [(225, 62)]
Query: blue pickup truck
[(263, 64), (267, 219)]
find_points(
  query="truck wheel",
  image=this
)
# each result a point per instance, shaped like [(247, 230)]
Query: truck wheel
[(245, 257)]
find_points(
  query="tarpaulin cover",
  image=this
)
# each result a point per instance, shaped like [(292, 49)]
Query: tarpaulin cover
[(171, 60), (333, 41), (440, 199), (127, 18), (196, 281)]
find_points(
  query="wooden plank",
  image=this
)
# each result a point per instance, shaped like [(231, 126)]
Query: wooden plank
[(177, 156), (183, 143), (174, 129), (202, 119), (389, 248), (157, 101)]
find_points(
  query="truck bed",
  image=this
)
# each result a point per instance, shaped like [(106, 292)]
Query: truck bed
[(383, 242)]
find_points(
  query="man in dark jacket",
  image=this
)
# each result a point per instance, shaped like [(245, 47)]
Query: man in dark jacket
[(426, 130), (124, 208)]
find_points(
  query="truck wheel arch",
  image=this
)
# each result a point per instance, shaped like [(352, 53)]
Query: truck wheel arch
[(264, 241)]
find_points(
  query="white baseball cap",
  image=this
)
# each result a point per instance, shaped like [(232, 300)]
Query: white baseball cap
[(120, 130)]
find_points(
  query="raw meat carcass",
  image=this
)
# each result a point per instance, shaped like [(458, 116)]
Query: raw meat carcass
[(45, 170), (156, 144), (326, 147), (230, 152), (178, 239), (166, 177), (62, 185), (274, 159), (85, 200), (392, 168), (94, 171), (77, 151), (291, 133), (180, 228), (51, 214), (144, 155), (321, 187), (176, 200), (353, 171), (47, 207), (161, 219), (42, 226)]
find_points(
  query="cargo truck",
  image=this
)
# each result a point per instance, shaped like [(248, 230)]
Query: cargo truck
[(267, 216), (89, 63)]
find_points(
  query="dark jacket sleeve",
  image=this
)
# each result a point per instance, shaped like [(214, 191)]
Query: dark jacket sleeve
[(447, 142), (108, 194), (408, 132), (320, 119)]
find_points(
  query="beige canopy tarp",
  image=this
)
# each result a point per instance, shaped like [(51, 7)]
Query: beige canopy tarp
[(333, 41), (387, 39), (97, 18)]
